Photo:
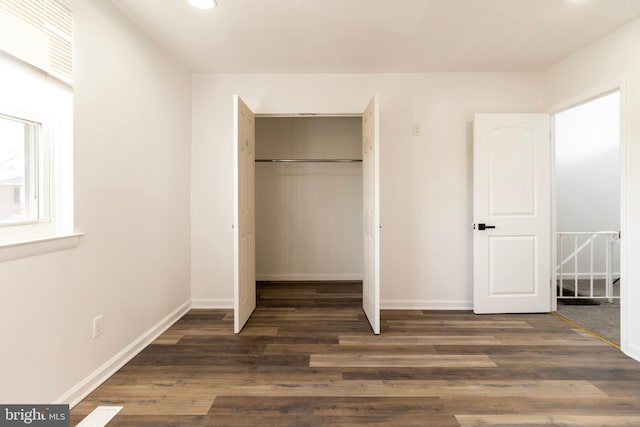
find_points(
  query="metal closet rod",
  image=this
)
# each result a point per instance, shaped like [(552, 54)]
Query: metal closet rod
[(309, 160)]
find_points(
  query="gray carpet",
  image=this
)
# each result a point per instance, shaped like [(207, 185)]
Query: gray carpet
[(599, 315)]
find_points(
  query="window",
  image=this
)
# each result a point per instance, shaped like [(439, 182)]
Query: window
[(36, 155), (23, 194), (36, 122)]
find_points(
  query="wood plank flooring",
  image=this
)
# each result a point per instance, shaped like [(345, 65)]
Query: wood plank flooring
[(307, 357)]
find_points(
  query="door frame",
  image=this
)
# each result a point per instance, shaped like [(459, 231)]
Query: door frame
[(621, 86), (323, 114)]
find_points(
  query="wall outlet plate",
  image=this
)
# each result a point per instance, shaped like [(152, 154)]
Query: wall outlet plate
[(98, 326)]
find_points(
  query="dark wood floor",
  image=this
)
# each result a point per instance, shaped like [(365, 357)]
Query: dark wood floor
[(307, 357)]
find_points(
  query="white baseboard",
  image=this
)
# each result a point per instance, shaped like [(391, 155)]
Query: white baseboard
[(100, 375), (384, 305), (632, 351), (307, 277), (212, 303), (425, 305)]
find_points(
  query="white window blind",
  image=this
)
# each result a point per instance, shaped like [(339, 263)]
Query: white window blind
[(38, 32)]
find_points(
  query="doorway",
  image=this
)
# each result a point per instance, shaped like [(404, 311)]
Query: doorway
[(244, 190), (588, 214)]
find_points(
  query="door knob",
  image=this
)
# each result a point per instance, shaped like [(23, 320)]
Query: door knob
[(482, 226)]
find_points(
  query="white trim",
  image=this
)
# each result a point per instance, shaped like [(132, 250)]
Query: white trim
[(554, 251), (588, 96), (100, 375), (632, 351), (307, 277), (398, 304), (218, 303), (39, 246), (625, 182)]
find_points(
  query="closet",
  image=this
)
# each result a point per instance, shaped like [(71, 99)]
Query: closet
[(306, 203), (308, 196)]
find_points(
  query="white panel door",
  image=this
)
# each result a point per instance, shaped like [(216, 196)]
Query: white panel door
[(371, 211), (512, 213), (244, 296)]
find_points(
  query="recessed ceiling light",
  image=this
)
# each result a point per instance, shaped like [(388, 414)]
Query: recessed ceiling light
[(203, 4)]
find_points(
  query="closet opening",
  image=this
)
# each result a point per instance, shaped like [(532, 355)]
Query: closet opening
[(309, 211), (318, 204)]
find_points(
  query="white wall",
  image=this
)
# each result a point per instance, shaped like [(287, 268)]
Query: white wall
[(587, 73), (309, 215), (132, 159), (587, 142), (425, 181)]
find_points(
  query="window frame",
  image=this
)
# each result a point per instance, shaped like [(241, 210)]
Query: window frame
[(37, 168), (28, 94), (31, 89)]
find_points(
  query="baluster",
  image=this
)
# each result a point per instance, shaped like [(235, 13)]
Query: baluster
[(591, 269), (575, 264), (561, 263), (609, 284)]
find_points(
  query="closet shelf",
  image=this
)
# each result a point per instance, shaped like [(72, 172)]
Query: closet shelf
[(309, 160)]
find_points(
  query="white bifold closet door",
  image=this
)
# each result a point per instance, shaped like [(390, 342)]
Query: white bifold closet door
[(244, 214), (371, 212)]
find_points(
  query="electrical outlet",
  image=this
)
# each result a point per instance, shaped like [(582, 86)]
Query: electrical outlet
[(98, 326), (417, 130)]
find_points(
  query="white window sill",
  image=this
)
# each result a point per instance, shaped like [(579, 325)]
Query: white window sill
[(38, 246)]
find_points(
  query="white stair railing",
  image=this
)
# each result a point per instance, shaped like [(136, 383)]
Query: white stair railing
[(610, 238)]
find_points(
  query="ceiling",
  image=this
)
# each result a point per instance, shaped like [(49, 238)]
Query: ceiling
[(320, 36)]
